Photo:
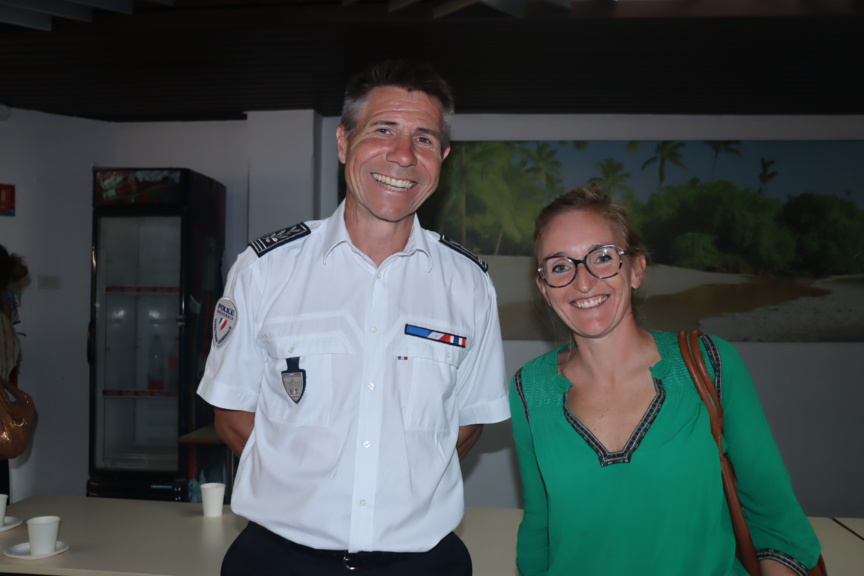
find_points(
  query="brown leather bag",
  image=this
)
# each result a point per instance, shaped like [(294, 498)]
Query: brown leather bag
[(16, 420), (745, 551)]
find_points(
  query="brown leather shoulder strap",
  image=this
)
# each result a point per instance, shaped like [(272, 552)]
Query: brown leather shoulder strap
[(692, 355)]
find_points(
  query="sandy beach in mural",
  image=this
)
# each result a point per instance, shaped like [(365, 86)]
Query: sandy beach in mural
[(737, 307)]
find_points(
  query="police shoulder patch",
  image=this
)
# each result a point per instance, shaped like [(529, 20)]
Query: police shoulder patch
[(465, 252), (224, 321), (273, 240)]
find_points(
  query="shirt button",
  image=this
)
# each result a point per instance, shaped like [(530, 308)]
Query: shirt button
[(374, 330), (367, 444), (362, 502), (371, 385), (291, 349), (449, 354), (378, 275)]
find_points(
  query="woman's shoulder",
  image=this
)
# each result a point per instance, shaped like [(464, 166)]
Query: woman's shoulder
[(537, 382), (668, 341), (544, 364)]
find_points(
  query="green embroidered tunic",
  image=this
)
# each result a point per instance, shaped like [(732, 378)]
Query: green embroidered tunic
[(657, 507)]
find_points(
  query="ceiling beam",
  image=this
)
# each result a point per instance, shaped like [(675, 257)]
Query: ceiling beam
[(25, 18), (122, 6), (567, 4), (59, 8), (394, 5), (512, 7)]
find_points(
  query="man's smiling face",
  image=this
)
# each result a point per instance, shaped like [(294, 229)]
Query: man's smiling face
[(393, 158)]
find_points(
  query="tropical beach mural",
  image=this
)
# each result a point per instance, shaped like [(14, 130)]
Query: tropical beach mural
[(750, 240)]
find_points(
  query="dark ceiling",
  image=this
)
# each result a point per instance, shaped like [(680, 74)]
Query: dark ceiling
[(217, 59)]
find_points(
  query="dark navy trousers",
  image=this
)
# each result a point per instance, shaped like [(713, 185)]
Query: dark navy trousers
[(259, 552)]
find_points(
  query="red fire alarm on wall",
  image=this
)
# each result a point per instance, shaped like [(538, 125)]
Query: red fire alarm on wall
[(7, 200)]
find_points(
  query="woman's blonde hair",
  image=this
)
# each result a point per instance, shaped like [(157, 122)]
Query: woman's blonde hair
[(594, 199)]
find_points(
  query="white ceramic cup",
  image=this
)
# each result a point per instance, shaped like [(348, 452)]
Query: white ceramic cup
[(42, 532), (213, 496), (3, 499)]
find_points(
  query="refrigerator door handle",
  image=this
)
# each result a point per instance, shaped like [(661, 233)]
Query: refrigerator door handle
[(91, 352)]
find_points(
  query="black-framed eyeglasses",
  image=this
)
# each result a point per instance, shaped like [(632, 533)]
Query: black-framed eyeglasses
[(602, 262)]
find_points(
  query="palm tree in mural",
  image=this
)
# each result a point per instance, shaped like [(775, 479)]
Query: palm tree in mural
[(666, 152), (575, 144), (727, 146), (540, 161), (466, 168), (766, 174), (510, 205), (612, 177)]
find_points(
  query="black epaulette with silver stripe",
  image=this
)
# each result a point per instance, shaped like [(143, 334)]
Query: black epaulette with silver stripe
[(273, 240), (465, 252)]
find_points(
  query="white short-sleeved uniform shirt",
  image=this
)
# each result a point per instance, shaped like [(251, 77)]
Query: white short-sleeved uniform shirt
[(394, 359)]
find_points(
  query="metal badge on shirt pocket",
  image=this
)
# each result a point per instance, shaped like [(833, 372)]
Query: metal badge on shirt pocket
[(294, 379)]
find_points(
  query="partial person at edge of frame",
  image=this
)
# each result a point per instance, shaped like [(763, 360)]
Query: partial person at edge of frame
[(620, 471), (355, 359), (13, 271)]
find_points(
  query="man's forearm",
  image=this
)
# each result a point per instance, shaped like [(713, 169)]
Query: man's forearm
[(468, 436), (234, 428)]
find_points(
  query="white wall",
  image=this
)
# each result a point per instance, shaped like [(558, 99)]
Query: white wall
[(648, 127), (215, 149), (48, 159), (282, 158), (272, 166)]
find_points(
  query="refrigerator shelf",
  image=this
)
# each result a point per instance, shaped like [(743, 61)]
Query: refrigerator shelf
[(140, 393), (142, 458), (143, 289)]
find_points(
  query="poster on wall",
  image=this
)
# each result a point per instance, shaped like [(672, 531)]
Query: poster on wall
[(749, 240), (7, 200)]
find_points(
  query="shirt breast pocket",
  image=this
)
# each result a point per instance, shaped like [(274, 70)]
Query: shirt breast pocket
[(427, 370), (304, 400)]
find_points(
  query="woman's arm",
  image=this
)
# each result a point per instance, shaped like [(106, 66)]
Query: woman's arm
[(532, 544), (782, 534), (773, 568)]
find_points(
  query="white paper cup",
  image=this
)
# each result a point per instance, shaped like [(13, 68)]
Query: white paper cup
[(3, 499), (213, 496), (42, 532)]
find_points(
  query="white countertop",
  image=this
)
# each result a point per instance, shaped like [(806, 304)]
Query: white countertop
[(112, 537)]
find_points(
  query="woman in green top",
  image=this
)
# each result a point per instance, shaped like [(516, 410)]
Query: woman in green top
[(620, 472)]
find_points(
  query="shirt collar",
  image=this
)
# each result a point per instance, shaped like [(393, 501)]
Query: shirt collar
[(337, 233)]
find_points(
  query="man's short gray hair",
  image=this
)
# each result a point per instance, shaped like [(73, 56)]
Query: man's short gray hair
[(402, 74)]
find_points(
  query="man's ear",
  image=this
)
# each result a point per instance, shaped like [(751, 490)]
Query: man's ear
[(445, 153), (342, 143)]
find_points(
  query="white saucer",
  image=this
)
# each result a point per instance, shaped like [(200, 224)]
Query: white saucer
[(10, 522), (22, 551)]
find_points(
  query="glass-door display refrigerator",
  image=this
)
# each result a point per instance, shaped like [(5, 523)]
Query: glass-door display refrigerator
[(158, 238)]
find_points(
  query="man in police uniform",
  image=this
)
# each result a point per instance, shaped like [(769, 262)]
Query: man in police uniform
[(355, 360)]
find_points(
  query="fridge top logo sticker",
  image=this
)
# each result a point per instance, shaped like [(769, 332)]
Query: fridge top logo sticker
[(224, 320)]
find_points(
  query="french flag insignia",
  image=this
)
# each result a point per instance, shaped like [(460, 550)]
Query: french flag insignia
[(429, 334)]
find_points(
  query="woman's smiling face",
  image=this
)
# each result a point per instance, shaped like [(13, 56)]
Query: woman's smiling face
[(591, 307)]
